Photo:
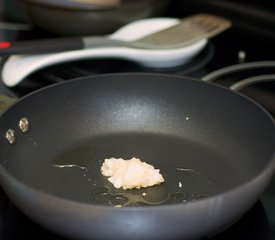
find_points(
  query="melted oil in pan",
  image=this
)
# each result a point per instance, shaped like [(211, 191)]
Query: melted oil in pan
[(148, 196), (181, 184)]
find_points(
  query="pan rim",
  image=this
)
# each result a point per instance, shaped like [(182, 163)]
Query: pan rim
[(269, 167), (185, 78)]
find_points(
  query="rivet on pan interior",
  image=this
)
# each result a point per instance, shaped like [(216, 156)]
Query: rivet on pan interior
[(24, 125), (10, 136)]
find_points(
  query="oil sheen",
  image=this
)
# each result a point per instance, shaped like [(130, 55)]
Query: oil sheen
[(191, 170)]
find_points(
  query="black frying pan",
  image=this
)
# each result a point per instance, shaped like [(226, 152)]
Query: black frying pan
[(214, 147)]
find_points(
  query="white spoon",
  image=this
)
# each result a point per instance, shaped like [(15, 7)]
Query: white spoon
[(18, 67)]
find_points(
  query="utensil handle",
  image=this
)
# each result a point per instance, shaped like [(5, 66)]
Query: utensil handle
[(40, 46)]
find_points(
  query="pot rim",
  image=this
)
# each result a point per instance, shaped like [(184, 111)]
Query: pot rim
[(73, 5)]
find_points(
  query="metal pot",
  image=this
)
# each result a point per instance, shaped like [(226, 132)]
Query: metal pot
[(64, 17)]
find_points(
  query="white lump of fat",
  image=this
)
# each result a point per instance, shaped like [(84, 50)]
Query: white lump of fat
[(129, 174)]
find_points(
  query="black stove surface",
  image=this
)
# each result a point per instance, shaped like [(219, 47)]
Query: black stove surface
[(230, 58)]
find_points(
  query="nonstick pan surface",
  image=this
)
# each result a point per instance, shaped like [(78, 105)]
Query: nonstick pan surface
[(214, 147)]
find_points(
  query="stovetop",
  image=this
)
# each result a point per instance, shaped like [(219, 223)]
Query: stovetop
[(236, 56)]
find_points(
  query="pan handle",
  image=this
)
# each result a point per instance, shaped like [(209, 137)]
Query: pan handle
[(6, 102)]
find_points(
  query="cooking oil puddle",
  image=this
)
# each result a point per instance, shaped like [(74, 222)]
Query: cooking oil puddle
[(76, 157), (181, 184), (209, 179), (82, 158), (170, 192), (70, 166), (107, 196)]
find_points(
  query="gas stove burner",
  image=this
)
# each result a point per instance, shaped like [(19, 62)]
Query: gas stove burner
[(256, 80), (71, 70), (252, 80), (241, 75)]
